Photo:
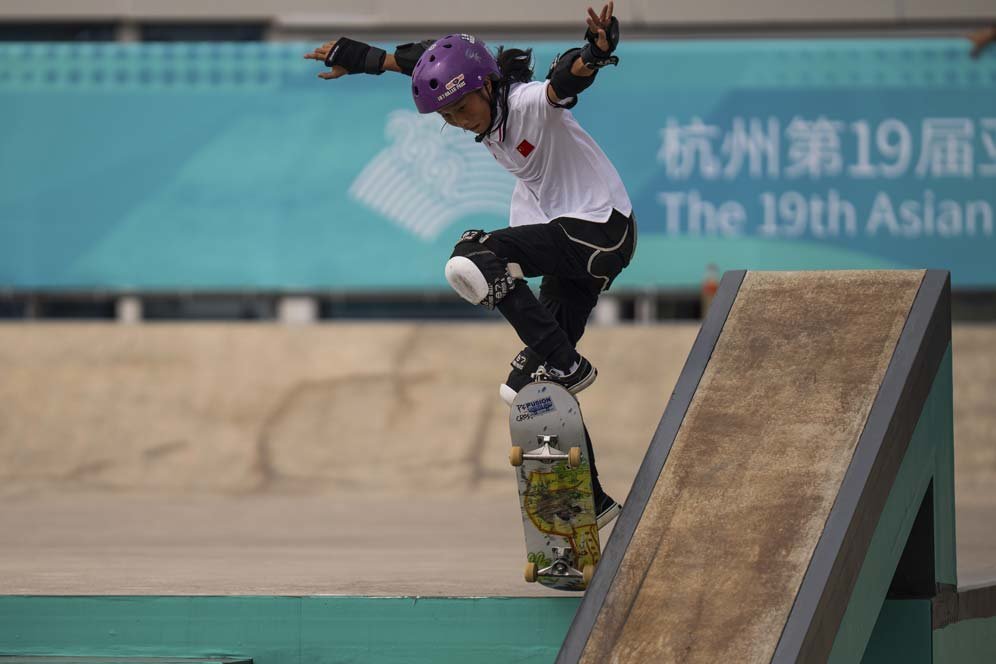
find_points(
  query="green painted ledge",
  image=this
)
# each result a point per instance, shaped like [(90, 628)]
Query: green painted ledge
[(966, 642), (34, 659), (289, 630), (902, 634)]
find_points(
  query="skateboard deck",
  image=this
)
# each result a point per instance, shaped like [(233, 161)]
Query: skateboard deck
[(554, 481)]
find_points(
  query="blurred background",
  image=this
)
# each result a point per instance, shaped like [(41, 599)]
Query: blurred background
[(222, 276), (178, 161)]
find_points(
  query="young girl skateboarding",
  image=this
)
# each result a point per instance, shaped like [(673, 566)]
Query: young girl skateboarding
[(571, 220)]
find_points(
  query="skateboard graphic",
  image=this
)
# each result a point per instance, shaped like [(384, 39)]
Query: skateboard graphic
[(554, 477)]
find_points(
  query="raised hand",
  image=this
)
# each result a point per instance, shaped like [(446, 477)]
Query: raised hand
[(320, 54), (599, 23)]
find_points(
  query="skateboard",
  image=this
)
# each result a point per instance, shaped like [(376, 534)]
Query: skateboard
[(550, 458)]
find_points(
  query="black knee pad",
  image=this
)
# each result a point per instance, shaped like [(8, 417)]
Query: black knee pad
[(495, 278), (468, 242), (471, 245)]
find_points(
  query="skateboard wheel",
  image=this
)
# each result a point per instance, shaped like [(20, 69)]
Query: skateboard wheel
[(574, 457), (530, 574), (515, 456), (589, 573)]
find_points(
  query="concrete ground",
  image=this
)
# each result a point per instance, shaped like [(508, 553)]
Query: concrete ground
[(106, 544), (357, 459)]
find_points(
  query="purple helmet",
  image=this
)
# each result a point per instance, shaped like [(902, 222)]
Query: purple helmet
[(449, 69)]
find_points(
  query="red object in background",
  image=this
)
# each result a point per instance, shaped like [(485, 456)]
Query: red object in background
[(525, 147), (709, 288), (710, 284)]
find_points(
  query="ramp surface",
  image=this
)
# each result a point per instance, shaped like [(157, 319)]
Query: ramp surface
[(720, 551)]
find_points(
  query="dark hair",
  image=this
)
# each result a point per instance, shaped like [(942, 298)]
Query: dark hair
[(516, 66)]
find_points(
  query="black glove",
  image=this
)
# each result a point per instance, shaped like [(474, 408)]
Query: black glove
[(356, 57), (595, 57)]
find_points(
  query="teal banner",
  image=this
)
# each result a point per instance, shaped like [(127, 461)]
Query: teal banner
[(232, 166)]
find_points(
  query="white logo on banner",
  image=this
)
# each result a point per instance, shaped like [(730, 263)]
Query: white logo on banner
[(427, 179)]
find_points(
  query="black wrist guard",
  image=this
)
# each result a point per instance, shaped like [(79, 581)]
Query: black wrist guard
[(565, 84), (356, 57), (406, 55), (595, 57)]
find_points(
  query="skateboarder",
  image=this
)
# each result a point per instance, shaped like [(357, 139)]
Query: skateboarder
[(571, 220)]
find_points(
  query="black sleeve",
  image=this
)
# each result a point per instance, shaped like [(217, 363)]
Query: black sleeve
[(407, 55)]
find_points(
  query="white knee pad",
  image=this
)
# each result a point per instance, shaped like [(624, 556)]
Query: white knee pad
[(466, 279)]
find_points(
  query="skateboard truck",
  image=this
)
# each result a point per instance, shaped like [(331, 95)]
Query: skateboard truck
[(547, 452), (563, 565)]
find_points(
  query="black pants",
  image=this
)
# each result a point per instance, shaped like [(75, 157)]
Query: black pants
[(578, 261)]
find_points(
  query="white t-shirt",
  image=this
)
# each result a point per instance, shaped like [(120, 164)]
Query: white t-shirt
[(560, 171)]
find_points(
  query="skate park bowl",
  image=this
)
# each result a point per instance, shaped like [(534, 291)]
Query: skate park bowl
[(796, 501)]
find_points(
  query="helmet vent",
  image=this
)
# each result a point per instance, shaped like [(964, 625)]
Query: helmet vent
[(433, 84), (432, 58)]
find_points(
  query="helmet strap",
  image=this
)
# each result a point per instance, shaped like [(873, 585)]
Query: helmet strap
[(498, 88)]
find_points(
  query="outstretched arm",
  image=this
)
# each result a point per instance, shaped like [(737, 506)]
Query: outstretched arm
[(574, 71), (346, 56)]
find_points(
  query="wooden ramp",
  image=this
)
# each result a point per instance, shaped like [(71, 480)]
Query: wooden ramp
[(808, 440)]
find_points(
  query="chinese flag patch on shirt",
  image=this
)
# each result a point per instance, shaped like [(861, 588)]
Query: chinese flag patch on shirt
[(525, 147)]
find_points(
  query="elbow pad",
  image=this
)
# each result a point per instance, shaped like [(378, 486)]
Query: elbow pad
[(565, 84), (406, 55)]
